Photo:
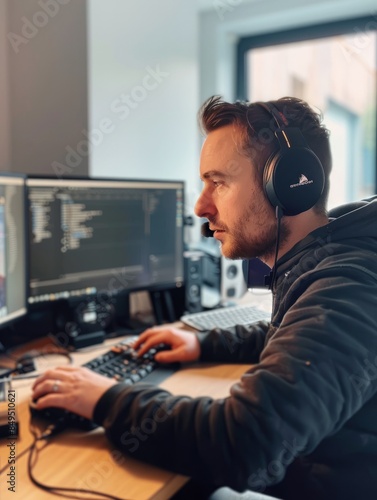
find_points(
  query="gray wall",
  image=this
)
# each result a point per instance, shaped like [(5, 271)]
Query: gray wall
[(46, 52), (4, 92)]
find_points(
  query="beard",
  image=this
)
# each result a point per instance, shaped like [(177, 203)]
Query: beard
[(242, 243)]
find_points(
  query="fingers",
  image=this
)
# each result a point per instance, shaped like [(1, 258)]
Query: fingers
[(55, 380), (173, 356), (54, 374), (144, 336), (49, 392), (184, 346), (49, 400), (50, 382), (152, 340), (75, 389)]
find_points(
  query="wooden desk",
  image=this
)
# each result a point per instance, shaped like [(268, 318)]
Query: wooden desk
[(87, 460)]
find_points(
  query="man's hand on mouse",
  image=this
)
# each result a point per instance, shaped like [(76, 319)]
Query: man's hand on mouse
[(74, 389)]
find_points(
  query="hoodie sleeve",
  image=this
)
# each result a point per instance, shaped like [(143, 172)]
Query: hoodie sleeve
[(300, 392), (240, 344)]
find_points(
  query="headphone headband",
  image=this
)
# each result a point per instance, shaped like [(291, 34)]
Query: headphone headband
[(280, 119)]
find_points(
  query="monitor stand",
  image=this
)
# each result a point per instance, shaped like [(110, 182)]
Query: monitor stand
[(168, 304)]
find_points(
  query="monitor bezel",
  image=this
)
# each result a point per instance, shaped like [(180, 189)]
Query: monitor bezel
[(7, 320), (100, 294)]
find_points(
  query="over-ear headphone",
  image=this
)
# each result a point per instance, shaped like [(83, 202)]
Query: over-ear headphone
[(293, 177)]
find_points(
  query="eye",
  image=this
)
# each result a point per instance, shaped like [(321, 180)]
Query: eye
[(217, 183)]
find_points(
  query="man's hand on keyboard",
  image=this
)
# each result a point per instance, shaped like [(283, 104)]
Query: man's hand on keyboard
[(184, 345), (74, 389)]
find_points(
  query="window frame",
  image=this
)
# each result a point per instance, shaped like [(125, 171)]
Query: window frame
[(303, 33)]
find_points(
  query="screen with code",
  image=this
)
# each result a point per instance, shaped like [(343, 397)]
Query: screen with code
[(91, 236)]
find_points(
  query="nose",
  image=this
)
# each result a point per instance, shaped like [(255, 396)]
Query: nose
[(205, 206)]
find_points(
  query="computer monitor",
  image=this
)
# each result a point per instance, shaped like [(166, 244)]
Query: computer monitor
[(102, 236), (256, 274), (13, 280)]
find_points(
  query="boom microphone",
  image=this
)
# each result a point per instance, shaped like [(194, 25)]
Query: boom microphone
[(206, 231)]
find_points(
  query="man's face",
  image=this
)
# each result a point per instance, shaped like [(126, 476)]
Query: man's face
[(232, 199)]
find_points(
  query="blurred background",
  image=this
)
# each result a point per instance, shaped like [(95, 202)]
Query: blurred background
[(112, 88)]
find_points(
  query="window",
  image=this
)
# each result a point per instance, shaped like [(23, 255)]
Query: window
[(333, 67)]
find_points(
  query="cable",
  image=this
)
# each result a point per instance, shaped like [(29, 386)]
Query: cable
[(28, 448), (50, 431), (25, 365), (40, 354), (19, 455), (279, 215), (35, 353)]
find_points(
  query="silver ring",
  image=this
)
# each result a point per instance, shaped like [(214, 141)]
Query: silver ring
[(55, 387)]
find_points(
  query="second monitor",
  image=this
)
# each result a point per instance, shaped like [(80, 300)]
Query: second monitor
[(12, 248)]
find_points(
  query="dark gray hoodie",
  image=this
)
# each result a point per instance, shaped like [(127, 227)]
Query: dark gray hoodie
[(302, 421)]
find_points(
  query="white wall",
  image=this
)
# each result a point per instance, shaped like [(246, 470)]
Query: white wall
[(149, 123)]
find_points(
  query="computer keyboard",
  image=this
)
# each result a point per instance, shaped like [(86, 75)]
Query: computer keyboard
[(225, 317), (121, 363)]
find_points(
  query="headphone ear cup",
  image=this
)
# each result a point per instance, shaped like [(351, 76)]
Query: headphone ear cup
[(293, 180), (268, 179)]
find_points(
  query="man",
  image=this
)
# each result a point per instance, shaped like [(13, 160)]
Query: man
[(302, 422)]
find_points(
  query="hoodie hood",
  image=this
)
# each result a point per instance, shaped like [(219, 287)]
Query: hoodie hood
[(354, 220), (350, 224)]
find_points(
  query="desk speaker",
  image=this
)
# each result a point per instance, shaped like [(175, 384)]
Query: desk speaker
[(193, 269), (233, 284), (223, 279)]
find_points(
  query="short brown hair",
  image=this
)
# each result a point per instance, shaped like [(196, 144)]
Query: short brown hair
[(257, 126)]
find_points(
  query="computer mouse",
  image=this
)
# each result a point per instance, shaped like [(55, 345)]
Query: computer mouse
[(61, 417)]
